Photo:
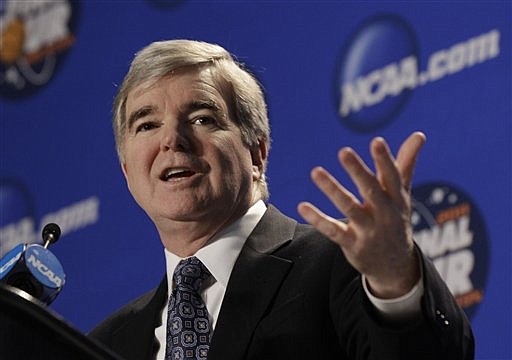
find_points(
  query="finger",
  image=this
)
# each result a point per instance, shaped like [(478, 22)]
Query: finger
[(407, 156), (387, 171), (364, 179), (342, 199), (334, 229)]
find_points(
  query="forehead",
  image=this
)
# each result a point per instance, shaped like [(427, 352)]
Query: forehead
[(180, 86)]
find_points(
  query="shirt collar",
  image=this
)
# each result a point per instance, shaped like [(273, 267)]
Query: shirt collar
[(220, 253)]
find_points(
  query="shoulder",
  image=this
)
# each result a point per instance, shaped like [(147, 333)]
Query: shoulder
[(304, 237), (306, 247), (149, 302)]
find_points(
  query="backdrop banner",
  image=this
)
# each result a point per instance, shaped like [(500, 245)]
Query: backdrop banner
[(336, 73)]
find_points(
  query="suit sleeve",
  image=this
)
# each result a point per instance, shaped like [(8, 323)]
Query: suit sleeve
[(442, 332)]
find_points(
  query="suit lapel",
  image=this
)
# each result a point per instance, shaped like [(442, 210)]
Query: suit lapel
[(256, 278), (143, 320)]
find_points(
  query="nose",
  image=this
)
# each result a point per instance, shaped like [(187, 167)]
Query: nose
[(175, 137)]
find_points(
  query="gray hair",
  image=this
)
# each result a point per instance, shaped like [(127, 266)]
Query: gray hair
[(245, 96)]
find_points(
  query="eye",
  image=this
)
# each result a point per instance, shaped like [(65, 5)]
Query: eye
[(204, 120), (146, 126)]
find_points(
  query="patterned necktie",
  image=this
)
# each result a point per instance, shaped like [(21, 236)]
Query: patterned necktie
[(188, 327)]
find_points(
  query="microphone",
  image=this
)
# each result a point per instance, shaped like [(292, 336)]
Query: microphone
[(34, 269), (51, 233)]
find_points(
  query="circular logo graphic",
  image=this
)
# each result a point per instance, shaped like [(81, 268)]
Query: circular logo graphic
[(44, 266), (35, 37), (450, 230), (377, 72), (15, 201), (16, 215), (10, 260)]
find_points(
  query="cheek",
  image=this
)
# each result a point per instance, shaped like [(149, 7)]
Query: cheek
[(138, 161), (235, 164)]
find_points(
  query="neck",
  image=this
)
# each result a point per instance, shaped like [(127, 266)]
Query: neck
[(185, 238)]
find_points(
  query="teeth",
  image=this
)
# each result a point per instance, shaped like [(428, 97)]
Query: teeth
[(172, 172), (175, 171)]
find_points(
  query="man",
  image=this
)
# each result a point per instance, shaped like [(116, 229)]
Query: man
[(192, 136)]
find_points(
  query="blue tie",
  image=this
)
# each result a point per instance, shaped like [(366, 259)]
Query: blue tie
[(188, 327)]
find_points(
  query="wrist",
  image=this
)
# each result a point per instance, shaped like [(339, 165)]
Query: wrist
[(397, 284)]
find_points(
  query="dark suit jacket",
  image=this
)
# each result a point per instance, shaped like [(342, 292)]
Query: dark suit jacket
[(293, 295)]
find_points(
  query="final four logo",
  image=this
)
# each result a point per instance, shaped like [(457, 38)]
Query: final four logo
[(34, 38), (450, 230)]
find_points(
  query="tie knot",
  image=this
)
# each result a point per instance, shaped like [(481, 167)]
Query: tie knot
[(190, 273)]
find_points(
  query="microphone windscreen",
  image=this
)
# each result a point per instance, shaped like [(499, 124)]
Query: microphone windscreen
[(51, 233)]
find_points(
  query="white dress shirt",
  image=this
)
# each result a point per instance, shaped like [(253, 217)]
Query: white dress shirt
[(219, 256)]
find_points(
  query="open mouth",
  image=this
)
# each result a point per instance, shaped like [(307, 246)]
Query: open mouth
[(176, 173)]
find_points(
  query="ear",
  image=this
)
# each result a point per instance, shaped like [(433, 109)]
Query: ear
[(125, 173), (259, 154)]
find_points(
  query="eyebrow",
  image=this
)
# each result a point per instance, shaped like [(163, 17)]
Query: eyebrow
[(203, 104), (140, 113)]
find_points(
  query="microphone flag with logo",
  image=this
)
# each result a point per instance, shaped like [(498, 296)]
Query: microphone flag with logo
[(34, 269)]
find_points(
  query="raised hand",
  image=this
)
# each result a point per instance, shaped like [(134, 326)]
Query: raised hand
[(377, 239)]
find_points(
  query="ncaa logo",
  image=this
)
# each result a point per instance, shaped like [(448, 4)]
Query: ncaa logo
[(17, 221), (376, 73), (16, 207), (35, 37), (379, 69), (450, 230)]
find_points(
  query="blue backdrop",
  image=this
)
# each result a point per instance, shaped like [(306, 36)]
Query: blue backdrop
[(336, 73)]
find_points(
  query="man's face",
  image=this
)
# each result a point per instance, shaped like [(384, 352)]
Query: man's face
[(184, 159)]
